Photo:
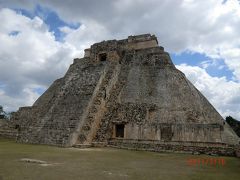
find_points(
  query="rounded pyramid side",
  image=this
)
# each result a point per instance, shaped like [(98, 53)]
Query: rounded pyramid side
[(165, 98)]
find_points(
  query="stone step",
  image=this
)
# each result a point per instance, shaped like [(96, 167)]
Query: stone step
[(82, 146), (8, 133), (99, 144), (90, 122)]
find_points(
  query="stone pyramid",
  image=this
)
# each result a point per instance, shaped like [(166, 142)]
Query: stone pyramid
[(123, 91)]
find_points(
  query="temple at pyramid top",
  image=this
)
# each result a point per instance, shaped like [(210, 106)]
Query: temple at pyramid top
[(108, 49)]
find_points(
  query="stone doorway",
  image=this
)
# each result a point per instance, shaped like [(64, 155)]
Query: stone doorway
[(166, 133), (119, 130), (103, 56)]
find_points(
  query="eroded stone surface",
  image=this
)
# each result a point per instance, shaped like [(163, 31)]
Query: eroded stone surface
[(132, 83)]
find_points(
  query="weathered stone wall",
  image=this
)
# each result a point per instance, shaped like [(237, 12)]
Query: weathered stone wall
[(174, 132), (114, 47), (138, 87), (3, 122), (55, 115), (155, 101), (142, 45), (87, 53), (190, 147), (7, 129)]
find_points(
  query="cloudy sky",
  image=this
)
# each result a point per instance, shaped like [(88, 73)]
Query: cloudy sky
[(39, 39)]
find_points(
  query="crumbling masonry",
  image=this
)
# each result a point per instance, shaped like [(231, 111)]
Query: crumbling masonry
[(126, 93)]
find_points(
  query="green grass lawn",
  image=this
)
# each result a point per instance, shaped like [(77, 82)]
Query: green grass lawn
[(106, 163)]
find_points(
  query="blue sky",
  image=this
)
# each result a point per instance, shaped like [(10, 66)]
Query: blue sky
[(51, 18), (218, 69), (46, 36)]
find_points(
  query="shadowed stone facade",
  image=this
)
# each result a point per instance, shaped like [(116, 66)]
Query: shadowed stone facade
[(124, 90), (7, 129)]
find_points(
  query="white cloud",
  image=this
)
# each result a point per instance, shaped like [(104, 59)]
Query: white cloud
[(30, 58), (223, 94), (85, 35), (12, 103), (210, 27)]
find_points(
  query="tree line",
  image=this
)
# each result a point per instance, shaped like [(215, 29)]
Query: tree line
[(4, 114), (235, 124)]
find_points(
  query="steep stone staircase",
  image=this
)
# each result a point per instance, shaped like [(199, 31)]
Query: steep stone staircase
[(96, 109), (103, 132)]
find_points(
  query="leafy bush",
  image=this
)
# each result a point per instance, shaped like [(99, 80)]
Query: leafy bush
[(235, 124)]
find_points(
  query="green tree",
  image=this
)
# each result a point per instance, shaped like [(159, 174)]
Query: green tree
[(2, 113), (235, 124), (1, 109)]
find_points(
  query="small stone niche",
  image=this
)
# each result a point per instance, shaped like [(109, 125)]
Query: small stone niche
[(151, 113), (17, 126), (102, 57)]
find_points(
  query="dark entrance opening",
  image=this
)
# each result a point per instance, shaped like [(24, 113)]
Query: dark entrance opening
[(17, 126), (166, 133), (120, 130), (103, 57)]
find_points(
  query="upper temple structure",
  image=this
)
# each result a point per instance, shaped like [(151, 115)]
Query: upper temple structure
[(126, 93)]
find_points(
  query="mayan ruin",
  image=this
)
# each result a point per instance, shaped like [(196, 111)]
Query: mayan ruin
[(127, 94)]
